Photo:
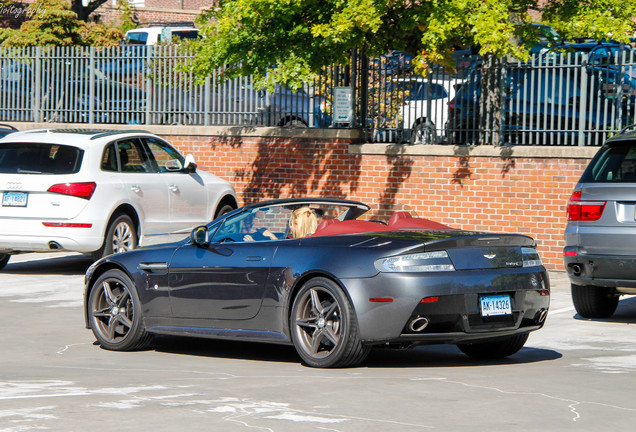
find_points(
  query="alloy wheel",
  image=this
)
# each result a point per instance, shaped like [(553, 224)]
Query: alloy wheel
[(112, 311), (123, 238), (318, 322)]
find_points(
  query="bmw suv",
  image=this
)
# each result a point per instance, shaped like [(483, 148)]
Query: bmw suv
[(600, 237), (100, 192)]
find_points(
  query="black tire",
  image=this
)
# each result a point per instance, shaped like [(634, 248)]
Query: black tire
[(175, 119), (424, 133), (4, 259), (114, 313), (223, 209), (121, 236), (293, 122), (323, 326), (498, 349), (594, 302)]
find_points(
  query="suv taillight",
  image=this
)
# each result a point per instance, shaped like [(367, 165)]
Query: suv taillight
[(80, 190), (579, 210)]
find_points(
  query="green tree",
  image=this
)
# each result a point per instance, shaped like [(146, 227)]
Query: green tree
[(289, 41), (52, 23)]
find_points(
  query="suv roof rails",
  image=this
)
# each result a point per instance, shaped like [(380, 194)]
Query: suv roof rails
[(95, 133), (626, 128), (166, 24), (108, 133), (8, 126)]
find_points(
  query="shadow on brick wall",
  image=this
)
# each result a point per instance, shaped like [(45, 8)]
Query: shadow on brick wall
[(304, 167)]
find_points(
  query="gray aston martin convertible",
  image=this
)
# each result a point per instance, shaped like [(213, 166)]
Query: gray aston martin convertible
[(334, 291)]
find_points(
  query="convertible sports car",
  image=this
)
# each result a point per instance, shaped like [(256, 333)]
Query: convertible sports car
[(351, 285)]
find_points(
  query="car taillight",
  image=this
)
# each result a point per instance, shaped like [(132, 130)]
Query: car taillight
[(80, 190), (579, 210)]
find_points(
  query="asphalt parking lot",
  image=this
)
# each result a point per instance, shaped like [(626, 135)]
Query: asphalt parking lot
[(574, 374)]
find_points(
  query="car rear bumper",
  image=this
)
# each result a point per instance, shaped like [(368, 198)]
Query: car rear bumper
[(601, 270), (33, 236), (387, 303)]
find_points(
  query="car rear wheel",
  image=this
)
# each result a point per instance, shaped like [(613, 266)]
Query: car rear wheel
[(4, 259), (121, 236), (424, 133), (594, 302), (292, 122), (324, 327), (114, 313), (495, 349)]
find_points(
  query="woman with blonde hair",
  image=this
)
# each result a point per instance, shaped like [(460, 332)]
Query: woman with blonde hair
[(303, 222)]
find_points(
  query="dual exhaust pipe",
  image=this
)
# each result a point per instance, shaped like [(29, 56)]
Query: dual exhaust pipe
[(418, 324)]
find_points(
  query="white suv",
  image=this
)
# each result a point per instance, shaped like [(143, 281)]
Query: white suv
[(100, 192), (153, 35)]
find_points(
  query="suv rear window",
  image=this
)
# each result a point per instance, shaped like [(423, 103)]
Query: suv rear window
[(613, 164), (37, 158), (185, 34)]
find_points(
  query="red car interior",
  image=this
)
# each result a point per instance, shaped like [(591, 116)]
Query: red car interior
[(399, 220)]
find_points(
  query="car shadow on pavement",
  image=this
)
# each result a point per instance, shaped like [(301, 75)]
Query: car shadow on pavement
[(423, 356), (434, 356), (62, 265), (217, 348), (625, 313)]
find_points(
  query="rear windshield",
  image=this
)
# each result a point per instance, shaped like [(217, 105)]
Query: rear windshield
[(613, 164), (185, 34), (37, 158)]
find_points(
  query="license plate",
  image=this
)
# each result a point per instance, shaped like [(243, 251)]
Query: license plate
[(14, 199), (495, 305)]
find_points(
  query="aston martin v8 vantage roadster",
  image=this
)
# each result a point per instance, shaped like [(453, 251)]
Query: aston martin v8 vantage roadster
[(334, 292)]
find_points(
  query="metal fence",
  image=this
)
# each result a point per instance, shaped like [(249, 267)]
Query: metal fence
[(140, 85), (557, 98)]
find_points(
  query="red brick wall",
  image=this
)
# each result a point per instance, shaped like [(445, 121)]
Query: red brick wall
[(112, 15), (498, 194)]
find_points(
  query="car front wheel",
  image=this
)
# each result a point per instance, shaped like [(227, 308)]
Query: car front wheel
[(223, 209), (324, 327), (498, 349), (594, 302), (115, 313)]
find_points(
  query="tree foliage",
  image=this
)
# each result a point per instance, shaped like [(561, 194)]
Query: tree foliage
[(53, 23), (288, 41)]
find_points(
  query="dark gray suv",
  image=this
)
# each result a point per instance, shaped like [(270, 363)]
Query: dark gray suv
[(600, 237)]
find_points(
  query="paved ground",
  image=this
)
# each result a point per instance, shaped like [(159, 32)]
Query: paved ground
[(574, 375)]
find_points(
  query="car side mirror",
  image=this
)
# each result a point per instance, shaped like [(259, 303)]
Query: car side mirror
[(190, 165), (199, 236)]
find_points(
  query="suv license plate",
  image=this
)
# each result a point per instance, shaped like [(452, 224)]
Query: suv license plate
[(14, 199), (495, 305)]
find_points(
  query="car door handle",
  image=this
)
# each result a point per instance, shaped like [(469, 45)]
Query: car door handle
[(135, 188), (153, 267), (254, 258), (173, 188)]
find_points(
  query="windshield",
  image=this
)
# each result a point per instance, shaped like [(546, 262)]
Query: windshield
[(37, 158), (273, 222)]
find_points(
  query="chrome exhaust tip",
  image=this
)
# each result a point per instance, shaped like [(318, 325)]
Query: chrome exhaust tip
[(543, 315), (418, 324), (577, 269), (53, 245)]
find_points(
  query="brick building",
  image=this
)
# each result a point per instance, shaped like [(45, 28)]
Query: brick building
[(157, 11)]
